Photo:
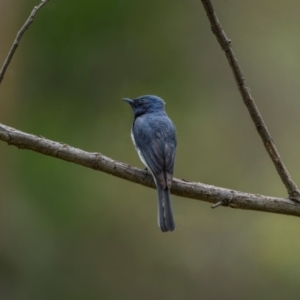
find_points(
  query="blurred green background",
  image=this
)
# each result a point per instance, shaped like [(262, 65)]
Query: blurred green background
[(67, 232)]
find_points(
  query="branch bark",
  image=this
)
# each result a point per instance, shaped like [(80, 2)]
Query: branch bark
[(256, 117), (183, 188), (18, 39)]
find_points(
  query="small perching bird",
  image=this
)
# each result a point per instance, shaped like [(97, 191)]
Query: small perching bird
[(154, 137)]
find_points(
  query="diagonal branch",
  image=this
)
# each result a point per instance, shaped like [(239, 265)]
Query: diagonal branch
[(259, 123), (183, 188), (18, 39)]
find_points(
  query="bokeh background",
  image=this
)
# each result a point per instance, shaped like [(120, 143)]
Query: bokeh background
[(67, 232)]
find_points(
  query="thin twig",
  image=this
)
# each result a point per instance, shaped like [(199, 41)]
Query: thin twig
[(260, 125), (183, 188), (18, 39), (219, 203), (97, 161)]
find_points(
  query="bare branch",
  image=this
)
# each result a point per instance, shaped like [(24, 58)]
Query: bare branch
[(259, 123), (183, 188), (208, 193), (18, 39)]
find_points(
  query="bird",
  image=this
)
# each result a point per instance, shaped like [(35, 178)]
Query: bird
[(154, 137)]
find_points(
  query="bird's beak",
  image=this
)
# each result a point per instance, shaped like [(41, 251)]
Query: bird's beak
[(128, 100)]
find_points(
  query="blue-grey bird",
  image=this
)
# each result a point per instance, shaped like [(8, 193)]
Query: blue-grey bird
[(154, 137)]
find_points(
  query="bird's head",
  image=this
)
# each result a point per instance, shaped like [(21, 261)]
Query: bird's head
[(146, 104)]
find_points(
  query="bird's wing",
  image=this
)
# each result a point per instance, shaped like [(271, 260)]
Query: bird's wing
[(156, 141), (170, 151)]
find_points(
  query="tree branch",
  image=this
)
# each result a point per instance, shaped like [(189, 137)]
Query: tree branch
[(18, 39), (259, 123), (208, 193), (183, 188)]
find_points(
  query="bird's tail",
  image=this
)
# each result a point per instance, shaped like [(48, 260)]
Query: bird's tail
[(165, 213)]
